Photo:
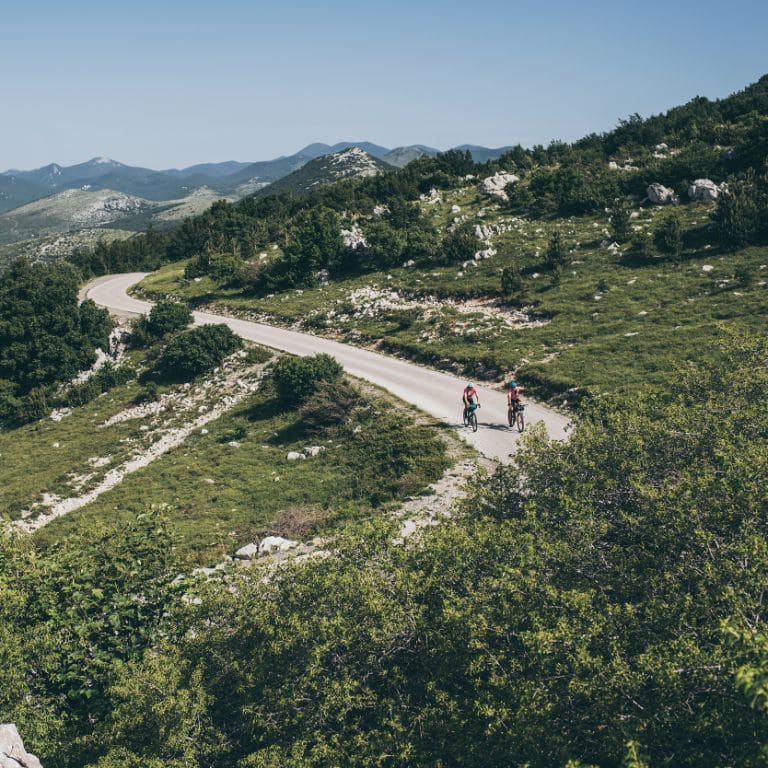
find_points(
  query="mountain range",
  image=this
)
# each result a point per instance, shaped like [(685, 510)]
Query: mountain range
[(226, 179)]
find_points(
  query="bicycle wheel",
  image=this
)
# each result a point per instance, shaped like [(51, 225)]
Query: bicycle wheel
[(473, 421), (511, 416), (520, 421), (465, 417)]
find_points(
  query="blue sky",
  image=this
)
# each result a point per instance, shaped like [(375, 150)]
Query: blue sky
[(168, 83)]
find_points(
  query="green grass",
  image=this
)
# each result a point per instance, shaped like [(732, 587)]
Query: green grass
[(613, 325), (218, 496)]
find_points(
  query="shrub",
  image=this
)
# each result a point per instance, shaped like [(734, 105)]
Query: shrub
[(511, 281), (80, 394), (147, 394), (621, 231), (557, 253), (297, 378), (195, 352), (668, 236), (167, 317), (332, 405), (459, 245)]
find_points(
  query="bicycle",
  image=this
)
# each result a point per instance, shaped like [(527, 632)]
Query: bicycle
[(516, 415), (470, 416)]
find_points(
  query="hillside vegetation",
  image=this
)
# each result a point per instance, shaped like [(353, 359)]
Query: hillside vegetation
[(595, 603), (570, 264)]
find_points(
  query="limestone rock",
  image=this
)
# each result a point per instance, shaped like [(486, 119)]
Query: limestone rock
[(496, 184), (276, 544), (12, 752), (703, 189), (294, 455), (310, 451), (661, 195), (248, 552)]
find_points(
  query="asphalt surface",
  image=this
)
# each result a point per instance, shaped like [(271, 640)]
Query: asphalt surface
[(436, 393)]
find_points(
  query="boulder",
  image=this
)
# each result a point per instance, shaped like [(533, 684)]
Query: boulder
[(661, 195), (703, 189), (276, 544), (311, 451), (248, 552), (496, 184), (294, 455), (12, 752)]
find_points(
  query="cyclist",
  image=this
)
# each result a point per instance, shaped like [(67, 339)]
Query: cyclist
[(513, 394), (470, 398)]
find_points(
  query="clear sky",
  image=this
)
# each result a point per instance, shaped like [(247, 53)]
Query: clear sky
[(166, 83)]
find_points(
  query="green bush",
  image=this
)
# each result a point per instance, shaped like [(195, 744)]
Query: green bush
[(167, 317), (195, 352), (147, 394), (297, 378), (668, 236)]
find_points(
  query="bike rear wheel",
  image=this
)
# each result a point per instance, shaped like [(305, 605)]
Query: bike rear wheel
[(473, 421), (520, 421), (511, 416)]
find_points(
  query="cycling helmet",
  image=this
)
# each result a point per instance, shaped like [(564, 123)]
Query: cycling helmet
[(470, 386), (512, 384)]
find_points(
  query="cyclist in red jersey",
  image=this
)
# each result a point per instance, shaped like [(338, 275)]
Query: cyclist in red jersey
[(513, 392)]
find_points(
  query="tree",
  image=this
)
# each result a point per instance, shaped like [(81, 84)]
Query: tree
[(45, 336), (668, 236), (738, 214), (621, 229), (511, 281), (556, 254)]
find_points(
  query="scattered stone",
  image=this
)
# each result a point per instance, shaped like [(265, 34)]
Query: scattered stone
[(455, 209), (276, 544), (59, 413), (12, 752), (248, 552), (210, 481), (703, 189), (233, 444), (707, 268), (496, 184), (661, 195), (203, 431), (294, 455), (311, 451), (57, 445)]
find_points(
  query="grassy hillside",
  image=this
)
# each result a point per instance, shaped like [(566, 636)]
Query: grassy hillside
[(612, 322)]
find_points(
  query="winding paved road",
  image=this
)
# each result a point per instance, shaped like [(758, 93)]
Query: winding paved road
[(436, 393)]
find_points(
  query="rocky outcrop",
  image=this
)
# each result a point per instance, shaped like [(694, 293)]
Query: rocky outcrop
[(12, 752), (658, 194), (496, 184), (703, 189)]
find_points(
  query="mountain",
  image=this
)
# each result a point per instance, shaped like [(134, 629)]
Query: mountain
[(401, 156), (74, 209), (318, 148), (349, 163), (15, 191)]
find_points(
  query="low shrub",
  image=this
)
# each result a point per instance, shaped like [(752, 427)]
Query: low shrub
[(297, 378), (195, 352)]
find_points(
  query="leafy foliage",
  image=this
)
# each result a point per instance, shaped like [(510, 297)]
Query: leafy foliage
[(298, 378), (577, 617), (195, 352)]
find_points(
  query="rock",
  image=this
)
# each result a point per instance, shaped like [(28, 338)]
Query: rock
[(353, 237), (455, 209), (707, 268), (294, 455), (661, 195), (12, 752), (313, 450), (276, 544), (703, 189), (233, 444), (496, 184), (248, 552)]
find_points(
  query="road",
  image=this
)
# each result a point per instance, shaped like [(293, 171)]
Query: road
[(434, 392)]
